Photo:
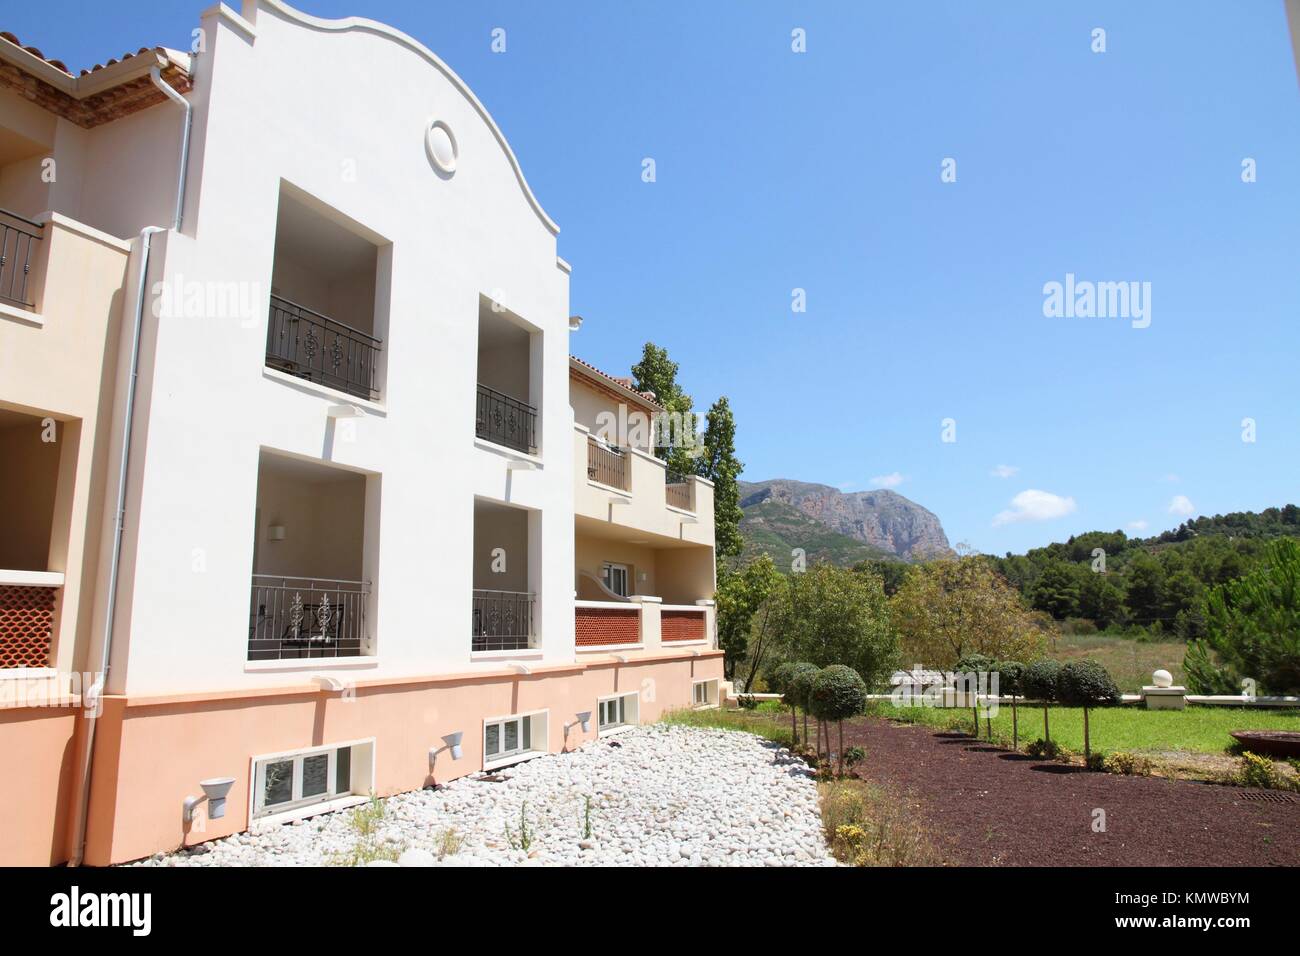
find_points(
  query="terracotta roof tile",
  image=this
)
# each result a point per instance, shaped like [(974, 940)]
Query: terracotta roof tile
[(63, 67), (623, 382)]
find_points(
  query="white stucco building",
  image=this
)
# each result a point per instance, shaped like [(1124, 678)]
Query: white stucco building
[(369, 505)]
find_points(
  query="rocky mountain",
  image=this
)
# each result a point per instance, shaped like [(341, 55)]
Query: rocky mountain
[(883, 521)]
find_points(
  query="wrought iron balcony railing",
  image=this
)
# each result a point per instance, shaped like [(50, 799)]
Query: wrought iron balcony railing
[(293, 618), (504, 420), (320, 349), (18, 237), (607, 465), (502, 620)]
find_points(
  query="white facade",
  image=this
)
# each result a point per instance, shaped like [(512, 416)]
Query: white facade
[(333, 115)]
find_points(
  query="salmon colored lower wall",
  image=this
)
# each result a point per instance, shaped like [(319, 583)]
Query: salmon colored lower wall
[(38, 767), (149, 757)]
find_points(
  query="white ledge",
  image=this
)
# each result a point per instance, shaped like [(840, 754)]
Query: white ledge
[(37, 579)]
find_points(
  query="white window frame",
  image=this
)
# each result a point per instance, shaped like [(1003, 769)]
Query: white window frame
[(608, 580), (630, 704), (538, 730), (710, 685), (361, 778)]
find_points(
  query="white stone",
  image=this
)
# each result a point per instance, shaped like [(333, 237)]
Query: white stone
[(668, 796)]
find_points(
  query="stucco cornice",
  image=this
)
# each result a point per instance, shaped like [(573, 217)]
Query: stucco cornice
[(363, 25)]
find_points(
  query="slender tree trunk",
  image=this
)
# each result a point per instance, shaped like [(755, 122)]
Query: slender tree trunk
[(1015, 725), (794, 725), (805, 725), (1087, 749), (975, 712), (1047, 733), (841, 760)]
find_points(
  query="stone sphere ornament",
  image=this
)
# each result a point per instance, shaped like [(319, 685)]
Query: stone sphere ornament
[(1162, 678)]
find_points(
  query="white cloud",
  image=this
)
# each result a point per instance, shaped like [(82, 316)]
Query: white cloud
[(1139, 525), (1004, 471), (1035, 505), (891, 480), (1181, 505)]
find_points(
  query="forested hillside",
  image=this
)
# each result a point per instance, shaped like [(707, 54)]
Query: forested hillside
[(1151, 585)]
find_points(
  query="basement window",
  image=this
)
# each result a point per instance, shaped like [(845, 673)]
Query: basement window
[(704, 693), (310, 781), (617, 713), (508, 740)]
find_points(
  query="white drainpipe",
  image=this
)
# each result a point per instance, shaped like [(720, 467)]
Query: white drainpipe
[(92, 704), (94, 694), (156, 75)]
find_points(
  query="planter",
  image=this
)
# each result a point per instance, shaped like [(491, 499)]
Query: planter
[(1271, 743)]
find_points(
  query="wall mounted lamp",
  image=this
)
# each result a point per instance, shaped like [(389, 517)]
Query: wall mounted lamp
[(214, 793)]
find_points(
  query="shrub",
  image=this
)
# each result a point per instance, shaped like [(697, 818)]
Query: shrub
[(1086, 684), (1042, 749), (837, 692), (747, 702), (868, 825), (854, 756), (1095, 762), (1259, 771), (1126, 764)]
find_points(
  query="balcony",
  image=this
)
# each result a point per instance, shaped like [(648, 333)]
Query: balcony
[(631, 489), (27, 603), (640, 623), (18, 238), (607, 465), (292, 618), (502, 620), (503, 420), (312, 568), (312, 346)]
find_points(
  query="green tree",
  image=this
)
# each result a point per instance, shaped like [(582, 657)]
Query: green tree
[(1057, 590), (1039, 682), (746, 599), (797, 693), (1011, 681), (833, 615), (1252, 629), (1086, 684), (838, 693), (947, 609), (719, 464), (1101, 600), (1144, 584), (657, 373)]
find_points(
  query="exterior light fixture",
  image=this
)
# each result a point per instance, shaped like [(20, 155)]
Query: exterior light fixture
[(453, 744), (584, 718), (214, 792), (275, 532)]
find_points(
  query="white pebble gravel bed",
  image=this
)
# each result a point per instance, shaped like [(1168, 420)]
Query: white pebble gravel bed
[(660, 795)]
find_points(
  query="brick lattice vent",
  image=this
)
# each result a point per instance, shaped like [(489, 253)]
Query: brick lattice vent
[(597, 626), (682, 626), (26, 625)]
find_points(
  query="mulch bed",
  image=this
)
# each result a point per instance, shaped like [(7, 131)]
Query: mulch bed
[(986, 807)]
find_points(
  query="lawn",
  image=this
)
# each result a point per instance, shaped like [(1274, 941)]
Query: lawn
[(1133, 727), (1130, 662)]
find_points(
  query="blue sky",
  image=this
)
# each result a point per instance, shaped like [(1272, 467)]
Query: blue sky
[(821, 171)]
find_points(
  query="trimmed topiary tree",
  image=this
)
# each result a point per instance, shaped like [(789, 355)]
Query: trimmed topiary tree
[(778, 680), (1086, 684), (838, 692), (798, 689), (974, 664), (1039, 683), (1010, 681)]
